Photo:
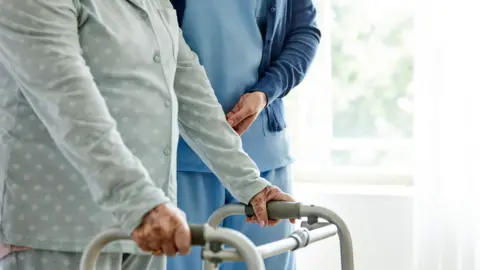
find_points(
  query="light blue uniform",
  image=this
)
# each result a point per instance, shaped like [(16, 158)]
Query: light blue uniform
[(227, 37)]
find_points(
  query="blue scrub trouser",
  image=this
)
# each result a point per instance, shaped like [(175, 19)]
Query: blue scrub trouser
[(200, 194)]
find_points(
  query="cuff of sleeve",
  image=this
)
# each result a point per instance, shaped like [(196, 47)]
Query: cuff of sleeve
[(135, 216), (269, 89), (253, 189)]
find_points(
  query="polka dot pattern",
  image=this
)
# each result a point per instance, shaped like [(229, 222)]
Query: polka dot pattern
[(90, 119), (51, 180), (51, 260)]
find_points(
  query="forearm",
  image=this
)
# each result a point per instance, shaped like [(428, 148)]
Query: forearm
[(204, 127)]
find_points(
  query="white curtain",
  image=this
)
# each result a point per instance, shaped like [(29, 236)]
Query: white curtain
[(447, 134)]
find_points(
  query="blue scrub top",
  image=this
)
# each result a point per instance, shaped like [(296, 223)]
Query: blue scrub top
[(228, 37)]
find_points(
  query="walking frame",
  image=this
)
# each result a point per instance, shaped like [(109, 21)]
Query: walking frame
[(321, 223)]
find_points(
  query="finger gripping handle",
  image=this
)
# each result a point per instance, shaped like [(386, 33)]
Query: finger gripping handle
[(278, 210), (197, 233)]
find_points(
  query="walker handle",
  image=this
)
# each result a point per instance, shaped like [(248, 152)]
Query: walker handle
[(197, 235), (278, 210)]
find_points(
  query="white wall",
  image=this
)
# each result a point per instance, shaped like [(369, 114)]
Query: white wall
[(380, 221)]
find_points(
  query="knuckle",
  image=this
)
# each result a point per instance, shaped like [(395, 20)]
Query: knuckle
[(274, 189), (261, 213), (258, 198), (261, 196), (272, 192), (146, 245), (135, 235)]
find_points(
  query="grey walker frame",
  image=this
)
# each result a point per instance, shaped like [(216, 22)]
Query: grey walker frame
[(212, 238)]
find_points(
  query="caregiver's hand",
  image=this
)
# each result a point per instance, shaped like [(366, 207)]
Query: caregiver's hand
[(164, 231), (246, 111), (259, 204)]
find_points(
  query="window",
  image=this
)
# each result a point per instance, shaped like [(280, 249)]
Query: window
[(351, 119)]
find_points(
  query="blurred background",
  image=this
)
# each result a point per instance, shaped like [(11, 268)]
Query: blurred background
[(385, 130)]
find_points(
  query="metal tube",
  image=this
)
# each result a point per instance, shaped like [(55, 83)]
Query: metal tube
[(244, 247), (322, 233), (346, 246), (93, 249), (216, 219), (277, 248), (240, 242), (266, 251), (225, 211), (274, 248)]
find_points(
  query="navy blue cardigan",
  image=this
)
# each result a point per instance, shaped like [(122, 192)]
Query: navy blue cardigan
[(292, 39)]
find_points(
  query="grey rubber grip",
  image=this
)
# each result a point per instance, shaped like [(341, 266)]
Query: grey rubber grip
[(278, 210), (198, 235)]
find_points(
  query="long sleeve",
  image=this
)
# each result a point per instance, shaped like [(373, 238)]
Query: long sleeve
[(39, 44), (301, 43), (203, 125)]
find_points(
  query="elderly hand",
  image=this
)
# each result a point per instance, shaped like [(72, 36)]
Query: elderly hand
[(164, 231), (259, 204), (246, 111)]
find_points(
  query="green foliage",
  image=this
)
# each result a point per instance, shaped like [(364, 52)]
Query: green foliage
[(372, 64)]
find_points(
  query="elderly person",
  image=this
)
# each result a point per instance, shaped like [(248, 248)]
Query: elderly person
[(254, 53), (93, 95)]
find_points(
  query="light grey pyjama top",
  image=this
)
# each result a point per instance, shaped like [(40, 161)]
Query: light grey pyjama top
[(93, 95)]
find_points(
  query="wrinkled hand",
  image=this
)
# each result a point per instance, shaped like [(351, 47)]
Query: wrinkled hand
[(246, 111), (164, 231), (259, 204)]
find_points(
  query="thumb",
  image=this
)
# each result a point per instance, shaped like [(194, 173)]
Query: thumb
[(260, 208), (182, 238), (239, 116)]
